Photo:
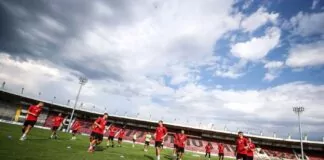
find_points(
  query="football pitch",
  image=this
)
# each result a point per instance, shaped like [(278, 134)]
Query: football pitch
[(38, 146)]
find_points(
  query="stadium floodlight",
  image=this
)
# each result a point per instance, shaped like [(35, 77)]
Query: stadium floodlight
[(137, 115), (150, 117), (3, 85), (298, 110), (22, 90), (39, 94), (82, 82), (68, 102)]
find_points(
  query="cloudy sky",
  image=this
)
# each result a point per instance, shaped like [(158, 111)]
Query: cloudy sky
[(243, 64)]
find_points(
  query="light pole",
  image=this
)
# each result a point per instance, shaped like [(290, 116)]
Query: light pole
[(3, 85), (298, 111), (22, 90), (82, 81)]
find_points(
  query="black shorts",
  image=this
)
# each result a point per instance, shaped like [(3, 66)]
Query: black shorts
[(134, 140), (120, 139), (180, 150), (249, 157), (54, 128), (147, 143), (74, 131), (111, 138), (175, 146), (29, 123), (220, 154), (158, 144), (96, 136), (239, 156)]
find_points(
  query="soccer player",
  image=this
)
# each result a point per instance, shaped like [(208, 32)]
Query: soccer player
[(220, 151), (160, 133), (182, 139), (112, 132), (148, 137), (32, 115), (75, 128), (251, 148), (57, 121), (134, 139), (121, 135), (175, 144), (97, 132), (241, 147), (208, 148)]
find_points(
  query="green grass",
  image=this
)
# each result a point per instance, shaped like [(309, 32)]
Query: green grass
[(38, 146)]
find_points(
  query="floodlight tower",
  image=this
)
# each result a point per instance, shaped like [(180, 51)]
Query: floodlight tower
[(298, 110), (82, 82)]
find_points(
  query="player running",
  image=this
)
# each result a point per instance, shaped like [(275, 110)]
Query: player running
[(241, 147), (182, 139), (75, 128), (148, 138), (160, 133), (220, 151), (208, 149), (112, 132), (175, 144), (251, 148), (32, 115), (121, 136), (134, 139), (57, 121), (97, 132)]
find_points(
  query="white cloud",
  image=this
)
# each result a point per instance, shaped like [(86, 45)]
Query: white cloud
[(314, 4), (304, 55), (307, 24), (273, 64), (232, 71), (258, 19), (258, 47), (273, 70)]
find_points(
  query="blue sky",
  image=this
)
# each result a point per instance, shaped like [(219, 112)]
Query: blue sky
[(242, 64)]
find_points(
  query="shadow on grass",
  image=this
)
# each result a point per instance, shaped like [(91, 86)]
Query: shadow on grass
[(168, 157), (148, 157), (100, 148)]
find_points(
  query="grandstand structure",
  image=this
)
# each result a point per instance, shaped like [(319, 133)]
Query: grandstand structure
[(13, 108)]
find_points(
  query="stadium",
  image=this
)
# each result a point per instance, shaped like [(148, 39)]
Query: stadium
[(162, 79), (14, 106)]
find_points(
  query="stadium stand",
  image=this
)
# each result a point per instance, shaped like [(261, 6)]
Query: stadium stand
[(13, 108)]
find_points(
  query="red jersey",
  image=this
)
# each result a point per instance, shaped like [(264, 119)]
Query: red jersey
[(241, 143), (112, 131), (57, 121), (220, 148), (35, 110), (208, 148), (160, 132), (181, 138), (76, 126), (250, 149), (121, 134), (102, 125), (175, 139)]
